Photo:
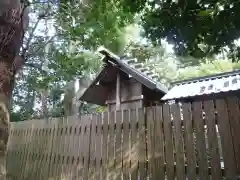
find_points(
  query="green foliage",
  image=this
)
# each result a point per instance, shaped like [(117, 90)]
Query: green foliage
[(209, 68), (196, 28), (62, 48), (65, 51), (95, 23), (171, 68)]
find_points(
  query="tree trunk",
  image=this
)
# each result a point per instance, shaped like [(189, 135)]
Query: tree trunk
[(68, 99), (4, 129), (12, 26)]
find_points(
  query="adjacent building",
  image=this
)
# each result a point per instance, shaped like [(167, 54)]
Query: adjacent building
[(123, 83)]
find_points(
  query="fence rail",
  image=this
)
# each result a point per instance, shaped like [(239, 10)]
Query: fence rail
[(198, 140)]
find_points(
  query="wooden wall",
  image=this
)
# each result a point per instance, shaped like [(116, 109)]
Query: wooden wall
[(130, 93)]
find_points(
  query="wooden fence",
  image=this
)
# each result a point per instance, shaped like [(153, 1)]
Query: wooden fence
[(192, 141)]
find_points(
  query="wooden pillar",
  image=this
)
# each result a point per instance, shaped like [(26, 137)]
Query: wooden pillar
[(118, 92)]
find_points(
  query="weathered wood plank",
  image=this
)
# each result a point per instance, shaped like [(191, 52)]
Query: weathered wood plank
[(169, 142), (142, 145), (99, 146), (105, 145), (226, 139), (24, 151), (150, 142), (200, 140), (159, 144), (179, 143), (212, 140), (77, 143), (87, 137), (92, 173), (80, 149), (126, 145), (64, 149), (234, 117), (189, 139), (111, 145), (118, 155), (41, 150), (134, 158), (60, 149), (67, 141), (52, 148)]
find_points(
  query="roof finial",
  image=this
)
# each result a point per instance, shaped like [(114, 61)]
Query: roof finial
[(102, 50)]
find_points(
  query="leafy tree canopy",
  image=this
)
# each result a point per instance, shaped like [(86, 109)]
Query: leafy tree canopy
[(195, 27)]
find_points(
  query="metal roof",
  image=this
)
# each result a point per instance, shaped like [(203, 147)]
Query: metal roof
[(223, 82)]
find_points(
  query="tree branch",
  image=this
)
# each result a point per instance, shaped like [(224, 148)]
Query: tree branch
[(39, 48), (24, 51), (36, 66)]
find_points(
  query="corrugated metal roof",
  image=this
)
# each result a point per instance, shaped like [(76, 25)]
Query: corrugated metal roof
[(203, 86)]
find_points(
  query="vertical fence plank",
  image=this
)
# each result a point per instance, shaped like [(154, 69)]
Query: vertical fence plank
[(87, 137), (36, 170), (71, 147), (31, 145), (105, 145), (200, 140), (142, 146), (75, 148), (212, 140), (24, 163), (50, 148), (125, 145), (46, 149), (23, 156), (64, 150), (18, 151), (68, 146), (169, 142), (118, 159), (43, 151), (50, 145), (150, 141), (189, 139), (54, 150), (111, 144), (92, 174), (159, 144), (80, 173), (134, 159), (21, 148), (59, 148), (179, 143), (28, 151), (83, 145), (234, 116), (79, 152), (226, 139), (98, 145)]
